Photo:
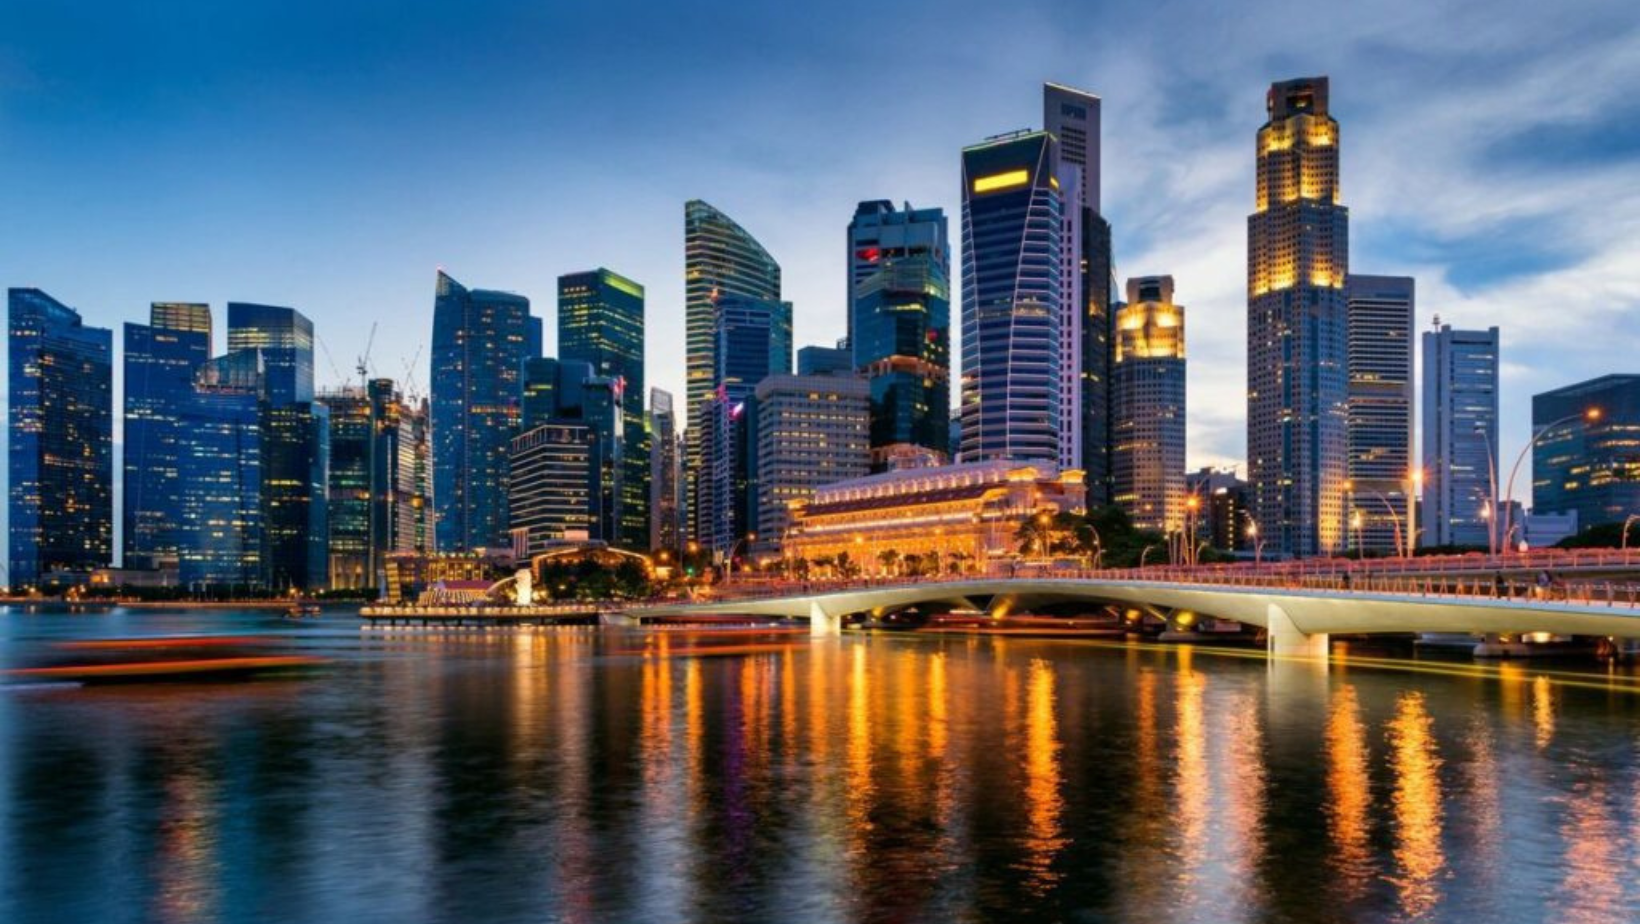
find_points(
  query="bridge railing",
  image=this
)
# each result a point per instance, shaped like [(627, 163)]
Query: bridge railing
[(1331, 575)]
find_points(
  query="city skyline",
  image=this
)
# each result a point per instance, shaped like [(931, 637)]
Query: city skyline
[(1425, 210)]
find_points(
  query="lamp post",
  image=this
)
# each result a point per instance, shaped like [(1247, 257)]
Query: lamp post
[(729, 564), (1588, 416), (1415, 487), (1624, 547), (1490, 512), (1191, 505), (1258, 544)]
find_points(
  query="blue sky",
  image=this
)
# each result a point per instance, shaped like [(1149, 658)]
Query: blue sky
[(331, 156)]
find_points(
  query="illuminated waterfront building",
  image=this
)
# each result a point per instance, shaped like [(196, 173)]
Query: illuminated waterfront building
[(220, 464), (809, 431), (60, 388), (1380, 416), (665, 473), (1012, 247), (900, 324), (720, 259), (378, 488), (1460, 436), (1148, 406), (550, 492), (480, 342), (161, 358), (1297, 386), (1590, 467), (562, 393), (601, 323), (966, 515)]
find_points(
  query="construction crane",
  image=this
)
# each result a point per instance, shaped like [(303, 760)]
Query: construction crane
[(364, 359), (337, 370), (410, 389)]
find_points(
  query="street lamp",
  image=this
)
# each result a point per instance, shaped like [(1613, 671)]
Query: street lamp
[(729, 565), (1631, 518), (1490, 513), (1191, 505), (1251, 532), (1588, 416)]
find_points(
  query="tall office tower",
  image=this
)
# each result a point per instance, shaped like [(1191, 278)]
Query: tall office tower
[(551, 483), (1583, 465), (1379, 436), (1460, 436), (900, 328), (879, 233), (1072, 117), (719, 259), (1297, 386), (413, 494), (1099, 267), (665, 474), (480, 341), (601, 323), (558, 393), (1224, 507), (824, 360), (1012, 245), (220, 454), (810, 431), (535, 338), (61, 384), (285, 337), (161, 358), (1148, 410), (295, 494), (375, 497)]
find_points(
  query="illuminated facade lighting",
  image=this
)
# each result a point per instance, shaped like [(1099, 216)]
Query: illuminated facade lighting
[(1148, 406)]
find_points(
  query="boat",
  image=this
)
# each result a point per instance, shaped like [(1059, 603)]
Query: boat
[(302, 611), (171, 658)]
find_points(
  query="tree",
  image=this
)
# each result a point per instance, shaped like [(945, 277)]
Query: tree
[(888, 558)]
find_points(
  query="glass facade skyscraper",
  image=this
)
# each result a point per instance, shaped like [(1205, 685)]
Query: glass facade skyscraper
[(61, 386), (480, 342), (665, 474), (601, 323), (1297, 385), (720, 259), (1073, 117), (220, 453), (1148, 406), (1591, 467), (161, 359), (1012, 247), (1379, 437), (1460, 435), (285, 337), (900, 325)]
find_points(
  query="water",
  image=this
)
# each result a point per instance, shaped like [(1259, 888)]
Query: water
[(577, 775)]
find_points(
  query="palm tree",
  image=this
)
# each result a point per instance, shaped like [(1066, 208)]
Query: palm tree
[(887, 558)]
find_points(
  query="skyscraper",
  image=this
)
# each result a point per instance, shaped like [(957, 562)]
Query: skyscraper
[(1379, 435), (61, 384), (376, 500), (161, 358), (720, 259), (900, 326), (551, 484), (879, 233), (601, 323), (1297, 386), (1460, 460), (753, 343), (285, 337), (480, 341), (559, 394), (1072, 117), (1590, 466), (220, 463), (1012, 247), (665, 474), (810, 431), (1148, 410)]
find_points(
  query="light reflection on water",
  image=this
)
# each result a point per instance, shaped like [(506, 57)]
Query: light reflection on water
[(586, 776)]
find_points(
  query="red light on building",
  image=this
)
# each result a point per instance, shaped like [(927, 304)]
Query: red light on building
[(869, 254)]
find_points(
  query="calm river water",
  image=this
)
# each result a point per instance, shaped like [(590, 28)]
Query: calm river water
[(592, 776)]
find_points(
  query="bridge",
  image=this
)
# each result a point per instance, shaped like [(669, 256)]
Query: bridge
[(1297, 611)]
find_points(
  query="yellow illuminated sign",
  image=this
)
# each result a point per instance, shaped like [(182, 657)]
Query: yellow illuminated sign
[(998, 181)]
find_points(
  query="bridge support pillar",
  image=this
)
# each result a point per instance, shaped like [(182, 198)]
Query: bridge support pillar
[(821, 623), (1286, 640)]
